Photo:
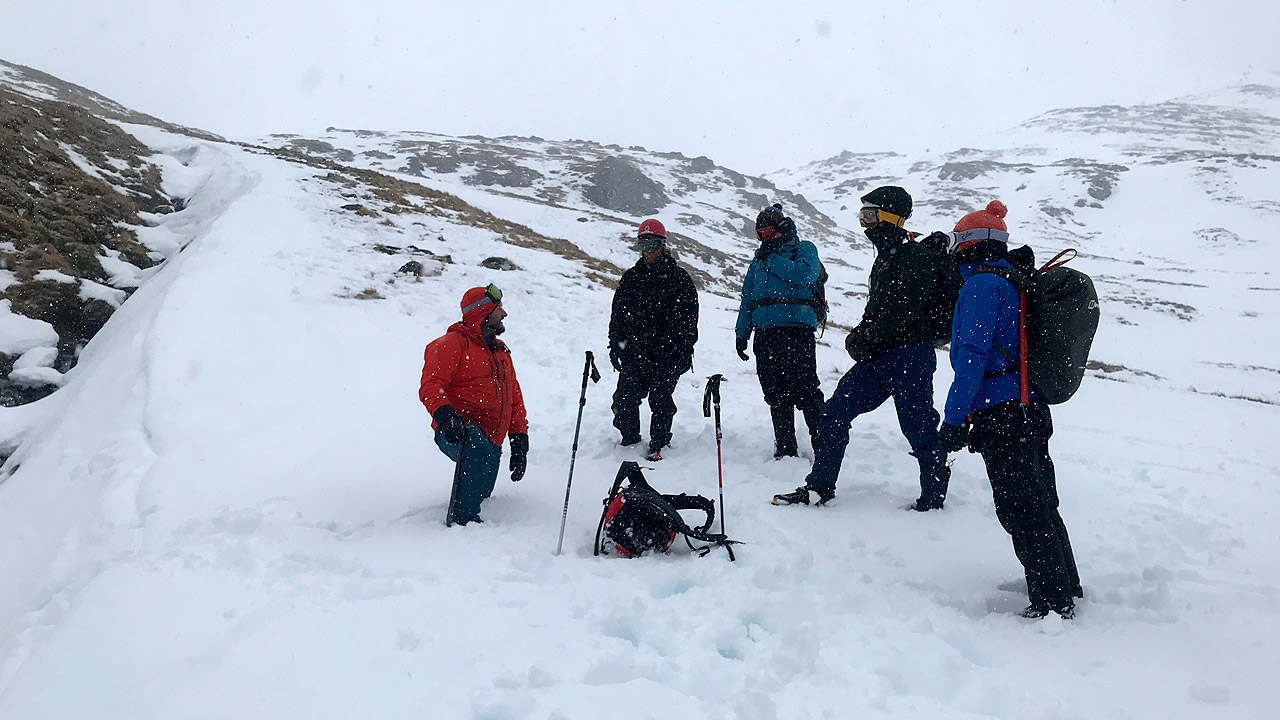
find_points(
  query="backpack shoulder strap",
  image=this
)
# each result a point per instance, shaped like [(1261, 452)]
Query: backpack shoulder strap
[(692, 502), (1018, 278)]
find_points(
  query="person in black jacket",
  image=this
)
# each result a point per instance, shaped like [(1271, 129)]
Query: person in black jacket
[(652, 331), (892, 349)]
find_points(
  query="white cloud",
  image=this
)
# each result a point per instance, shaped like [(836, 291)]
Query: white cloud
[(754, 85)]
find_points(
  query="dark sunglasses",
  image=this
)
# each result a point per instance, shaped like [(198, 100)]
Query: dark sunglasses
[(491, 295)]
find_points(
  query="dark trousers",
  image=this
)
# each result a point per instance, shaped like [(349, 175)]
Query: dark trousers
[(637, 381), (788, 373), (1014, 444), (906, 375), (477, 471)]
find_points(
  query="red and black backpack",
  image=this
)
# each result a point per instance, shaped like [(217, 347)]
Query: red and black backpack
[(637, 518)]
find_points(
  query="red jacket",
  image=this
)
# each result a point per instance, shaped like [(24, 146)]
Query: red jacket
[(458, 369)]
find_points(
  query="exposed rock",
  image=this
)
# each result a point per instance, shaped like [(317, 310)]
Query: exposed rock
[(499, 263), (615, 184), (413, 267)]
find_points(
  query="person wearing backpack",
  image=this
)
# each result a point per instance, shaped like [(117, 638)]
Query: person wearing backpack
[(893, 353), (778, 305), (652, 331), (469, 386), (985, 411)]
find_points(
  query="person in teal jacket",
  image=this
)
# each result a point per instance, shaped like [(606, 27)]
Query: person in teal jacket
[(776, 304)]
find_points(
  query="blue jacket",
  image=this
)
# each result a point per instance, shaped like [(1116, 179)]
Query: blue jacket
[(791, 271), (986, 313)]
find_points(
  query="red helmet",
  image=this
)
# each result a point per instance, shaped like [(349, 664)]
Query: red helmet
[(652, 227)]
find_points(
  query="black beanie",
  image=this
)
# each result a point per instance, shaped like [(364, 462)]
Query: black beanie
[(771, 217), (890, 198)]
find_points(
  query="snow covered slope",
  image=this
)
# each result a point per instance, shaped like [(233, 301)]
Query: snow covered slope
[(234, 508), (593, 195), (1173, 208)]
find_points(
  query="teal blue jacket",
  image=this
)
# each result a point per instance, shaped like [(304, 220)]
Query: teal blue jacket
[(791, 271)]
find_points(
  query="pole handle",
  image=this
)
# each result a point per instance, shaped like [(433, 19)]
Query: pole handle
[(712, 394)]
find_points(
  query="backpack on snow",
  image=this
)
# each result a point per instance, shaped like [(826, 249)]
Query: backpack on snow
[(1058, 317), (638, 519), (947, 282)]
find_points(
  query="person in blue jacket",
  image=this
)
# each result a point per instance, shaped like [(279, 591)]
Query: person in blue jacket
[(777, 296), (984, 411)]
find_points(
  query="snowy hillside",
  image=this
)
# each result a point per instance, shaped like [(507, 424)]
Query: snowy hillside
[(591, 194), (233, 508), (1173, 208)]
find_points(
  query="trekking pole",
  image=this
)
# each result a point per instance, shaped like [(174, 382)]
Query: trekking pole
[(588, 370), (449, 518), (711, 395)]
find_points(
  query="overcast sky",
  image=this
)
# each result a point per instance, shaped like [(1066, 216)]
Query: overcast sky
[(756, 86)]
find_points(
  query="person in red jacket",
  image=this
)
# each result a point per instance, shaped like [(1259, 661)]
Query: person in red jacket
[(469, 386)]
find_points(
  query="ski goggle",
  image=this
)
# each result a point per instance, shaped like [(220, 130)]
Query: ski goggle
[(649, 243), (492, 295), (961, 240), (767, 233), (872, 215)]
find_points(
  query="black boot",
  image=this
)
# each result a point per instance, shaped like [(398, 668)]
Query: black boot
[(784, 430), (801, 496)]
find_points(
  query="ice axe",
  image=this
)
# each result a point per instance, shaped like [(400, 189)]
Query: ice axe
[(588, 371)]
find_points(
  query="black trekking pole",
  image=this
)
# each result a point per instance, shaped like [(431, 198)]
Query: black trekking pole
[(588, 370), (711, 395)]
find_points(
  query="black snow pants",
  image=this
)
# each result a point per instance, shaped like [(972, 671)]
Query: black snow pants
[(1014, 444), (788, 373), (639, 380)]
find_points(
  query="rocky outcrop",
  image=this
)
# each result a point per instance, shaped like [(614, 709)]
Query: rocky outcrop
[(71, 189), (615, 184)]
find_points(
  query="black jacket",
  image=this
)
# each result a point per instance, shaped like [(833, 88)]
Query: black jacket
[(655, 316), (902, 281)]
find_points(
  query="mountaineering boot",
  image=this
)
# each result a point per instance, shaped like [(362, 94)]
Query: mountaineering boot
[(925, 505), (629, 441), (654, 454), (1035, 612), (801, 496)]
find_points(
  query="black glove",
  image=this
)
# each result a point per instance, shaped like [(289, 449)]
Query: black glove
[(450, 424), (858, 347), (767, 247), (954, 438), (519, 455), (741, 344), (615, 359)]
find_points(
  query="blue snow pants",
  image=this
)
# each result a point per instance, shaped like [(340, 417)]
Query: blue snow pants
[(477, 471), (905, 374)]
